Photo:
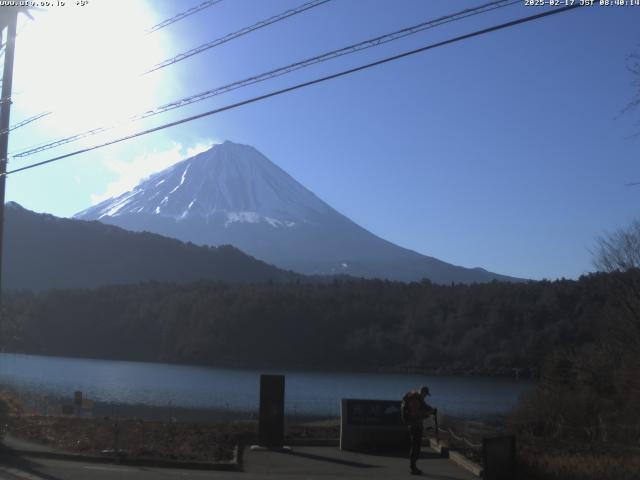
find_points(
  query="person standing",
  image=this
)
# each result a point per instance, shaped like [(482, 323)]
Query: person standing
[(414, 410)]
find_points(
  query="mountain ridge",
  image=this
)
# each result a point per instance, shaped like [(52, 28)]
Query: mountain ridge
[(42, 251)]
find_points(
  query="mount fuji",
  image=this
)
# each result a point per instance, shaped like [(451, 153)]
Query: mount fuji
[(232, 194)]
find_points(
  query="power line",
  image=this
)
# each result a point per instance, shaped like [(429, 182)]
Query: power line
[(373, 42), (370, 43), (219, 41), (476, 33), (180, 16), (24, 122)]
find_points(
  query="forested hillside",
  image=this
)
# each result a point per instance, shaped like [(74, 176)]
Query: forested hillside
[(346, 324), (42, 251)]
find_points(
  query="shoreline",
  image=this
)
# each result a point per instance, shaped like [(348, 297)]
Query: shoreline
[(525, 374)]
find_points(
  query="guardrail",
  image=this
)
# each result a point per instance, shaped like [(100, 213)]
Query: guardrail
[(497, 455)]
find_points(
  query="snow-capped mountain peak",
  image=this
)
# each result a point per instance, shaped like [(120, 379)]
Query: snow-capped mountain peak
[(230, 180), (232, 194)]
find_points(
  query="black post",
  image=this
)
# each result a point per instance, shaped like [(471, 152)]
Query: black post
[(5, 111), (499, 458), (271, 421)]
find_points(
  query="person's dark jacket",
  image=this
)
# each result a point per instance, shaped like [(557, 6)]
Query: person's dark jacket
[(416, 409)]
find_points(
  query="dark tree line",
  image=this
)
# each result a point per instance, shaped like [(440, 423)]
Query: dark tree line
[(344, 324)]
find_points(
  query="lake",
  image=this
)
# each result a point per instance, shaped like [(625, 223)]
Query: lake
[(314, 393)]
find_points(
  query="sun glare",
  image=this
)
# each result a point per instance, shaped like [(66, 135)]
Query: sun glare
[(84, 63)]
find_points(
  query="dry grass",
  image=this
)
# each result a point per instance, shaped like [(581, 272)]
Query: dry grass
[(133, 438), (9, 404), (205, 436), (543, 466), (137, 438)]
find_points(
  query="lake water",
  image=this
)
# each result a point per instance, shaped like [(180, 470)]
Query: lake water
[(318, 393)]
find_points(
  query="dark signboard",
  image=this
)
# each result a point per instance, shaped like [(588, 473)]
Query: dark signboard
[(380, 413), (499, 458), (271, 421)]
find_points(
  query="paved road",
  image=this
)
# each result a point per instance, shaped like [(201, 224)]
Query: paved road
[(326, 463)]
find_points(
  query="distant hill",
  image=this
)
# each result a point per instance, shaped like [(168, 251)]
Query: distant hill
[(42, 252), (232, 194)]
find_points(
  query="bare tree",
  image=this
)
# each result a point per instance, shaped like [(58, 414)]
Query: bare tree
[(620, 250), (619, 254), (633, 65)]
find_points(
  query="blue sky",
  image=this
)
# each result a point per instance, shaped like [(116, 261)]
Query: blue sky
[(506, 151)]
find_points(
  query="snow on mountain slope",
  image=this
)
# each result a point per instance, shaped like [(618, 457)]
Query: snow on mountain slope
[(234, 180), (232, 194)]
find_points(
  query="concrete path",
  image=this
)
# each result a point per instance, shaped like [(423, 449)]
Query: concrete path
[(26, 468), (309, 463), (329, 463)]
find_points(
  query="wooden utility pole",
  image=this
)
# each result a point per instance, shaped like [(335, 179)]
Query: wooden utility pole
[(9, 21)]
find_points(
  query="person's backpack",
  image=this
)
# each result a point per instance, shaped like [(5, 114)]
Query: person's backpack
[(405, 408)]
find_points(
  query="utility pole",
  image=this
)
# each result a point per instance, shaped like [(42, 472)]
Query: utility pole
[(9, 23)]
